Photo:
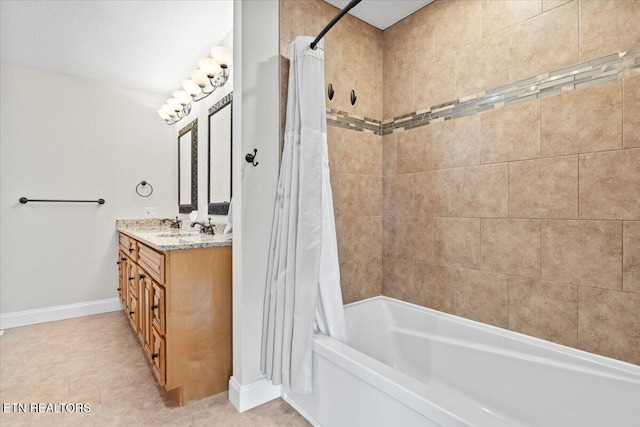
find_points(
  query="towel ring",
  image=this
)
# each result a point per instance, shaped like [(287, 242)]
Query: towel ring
[(144, 184)]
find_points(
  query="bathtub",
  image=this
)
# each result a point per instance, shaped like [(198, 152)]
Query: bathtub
[(407, 365)]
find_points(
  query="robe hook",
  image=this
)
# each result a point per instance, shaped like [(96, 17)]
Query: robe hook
[(353, 97), (251, 157), (330, 92)]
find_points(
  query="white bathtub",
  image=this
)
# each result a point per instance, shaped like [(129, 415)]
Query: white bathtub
[(411, 366)]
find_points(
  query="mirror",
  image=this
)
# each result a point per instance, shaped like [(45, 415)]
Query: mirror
[(188, 168), (219, 169)]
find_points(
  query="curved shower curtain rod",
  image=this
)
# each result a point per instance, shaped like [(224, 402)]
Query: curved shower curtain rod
[(339, 16)]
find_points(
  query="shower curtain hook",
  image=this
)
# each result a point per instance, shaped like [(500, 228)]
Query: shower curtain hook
[(353, 97)]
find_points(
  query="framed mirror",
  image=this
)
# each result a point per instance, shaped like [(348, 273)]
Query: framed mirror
[(188, 168), (219, 165)]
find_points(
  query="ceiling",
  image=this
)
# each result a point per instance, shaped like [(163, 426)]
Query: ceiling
[(143, 44), (382, 13), (148, 45)]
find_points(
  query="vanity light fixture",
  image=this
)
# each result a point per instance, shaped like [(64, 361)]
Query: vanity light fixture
[(212, 73)]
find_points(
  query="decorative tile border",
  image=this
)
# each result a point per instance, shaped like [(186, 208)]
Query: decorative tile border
[(342, 119), (586, 74), (597, 71)]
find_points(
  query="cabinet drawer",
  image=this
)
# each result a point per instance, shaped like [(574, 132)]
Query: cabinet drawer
[(152, 261), (129, 246), (158, 356)]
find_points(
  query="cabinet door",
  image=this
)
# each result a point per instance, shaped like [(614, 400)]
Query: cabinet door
[(132, 278), (157, 308), (146, 290), (157, 356), (133, 312), (122, 278)]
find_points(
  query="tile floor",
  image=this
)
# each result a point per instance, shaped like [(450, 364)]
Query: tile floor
[(98, 360)]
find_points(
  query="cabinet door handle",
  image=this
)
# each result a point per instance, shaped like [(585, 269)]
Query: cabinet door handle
[(123, 259), (119, 262), (141, 276), (154, 355), (130, 249), (119, 289), (131, 278), (131, 312), (154, 306)]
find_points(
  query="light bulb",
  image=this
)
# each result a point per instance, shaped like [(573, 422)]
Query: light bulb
[(209, 67), (167, 109), (163, 114), (199, 77), (222, 55), (175, 104), (183, 97), (190, 87)]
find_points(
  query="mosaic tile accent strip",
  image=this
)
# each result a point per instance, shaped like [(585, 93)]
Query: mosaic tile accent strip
[(342, 119), (597, 71)]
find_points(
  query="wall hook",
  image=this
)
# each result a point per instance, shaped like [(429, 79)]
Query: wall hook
[(251, 157), (353, 97), (330, 92)]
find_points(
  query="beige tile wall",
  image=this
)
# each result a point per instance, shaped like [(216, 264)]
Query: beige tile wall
[(353, 60), (455, 48), (526, 217)]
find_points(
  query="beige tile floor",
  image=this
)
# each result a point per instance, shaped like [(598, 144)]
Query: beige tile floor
[(99, 361)]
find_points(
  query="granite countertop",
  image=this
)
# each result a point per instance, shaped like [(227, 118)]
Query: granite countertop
[(162, 237)]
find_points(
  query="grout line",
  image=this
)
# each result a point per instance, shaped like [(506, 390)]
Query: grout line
[(579, 32), (577, 316), (622, 85), (481, 257), (508, 189), (578, 185), (622, 255), (509, 303), (540, 237)]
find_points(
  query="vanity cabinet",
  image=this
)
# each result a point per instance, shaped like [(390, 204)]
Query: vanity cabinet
[(179, 305)]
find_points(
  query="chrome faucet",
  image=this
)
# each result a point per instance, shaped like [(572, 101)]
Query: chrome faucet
[(174, 224), (204, 228)]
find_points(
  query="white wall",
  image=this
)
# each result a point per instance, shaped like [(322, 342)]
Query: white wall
[(256, 125), (69, 138)]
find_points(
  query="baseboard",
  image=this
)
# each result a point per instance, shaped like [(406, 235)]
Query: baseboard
[(298, 408), (253, 394), (60, 312)]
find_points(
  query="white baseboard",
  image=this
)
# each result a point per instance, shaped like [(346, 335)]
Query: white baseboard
[(253, 394), (299, 409), (60, 312)]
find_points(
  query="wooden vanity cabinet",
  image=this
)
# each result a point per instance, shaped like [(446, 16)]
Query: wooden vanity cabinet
[(179, 305)]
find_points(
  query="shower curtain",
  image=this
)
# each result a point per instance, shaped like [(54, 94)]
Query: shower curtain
[(303, 276)]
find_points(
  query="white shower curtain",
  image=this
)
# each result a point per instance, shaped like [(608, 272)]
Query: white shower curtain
[(303, 275)]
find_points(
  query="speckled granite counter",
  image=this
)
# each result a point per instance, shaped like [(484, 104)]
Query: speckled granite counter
[(160, 236)]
